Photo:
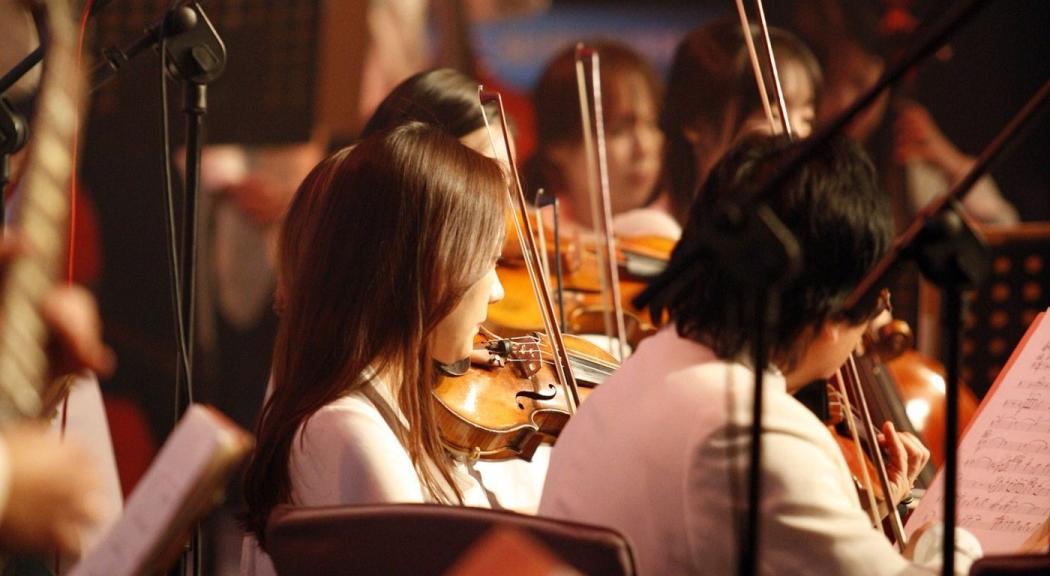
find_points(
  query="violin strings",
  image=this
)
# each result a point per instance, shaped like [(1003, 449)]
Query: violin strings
[(548, 360), (534, 345)]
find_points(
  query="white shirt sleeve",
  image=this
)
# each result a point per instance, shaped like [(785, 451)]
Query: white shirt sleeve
[(646, 222), (346, 454), (807, 506), (984, 202), (811, 519)]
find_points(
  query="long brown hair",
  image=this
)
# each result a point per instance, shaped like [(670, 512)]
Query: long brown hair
[(711, 89), (379, 244)]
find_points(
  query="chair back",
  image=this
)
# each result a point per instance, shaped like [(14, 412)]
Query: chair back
[(1012, 565), (423, 539)]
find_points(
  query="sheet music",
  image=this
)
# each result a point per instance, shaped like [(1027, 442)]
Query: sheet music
[(160, 496), (1004, 456)]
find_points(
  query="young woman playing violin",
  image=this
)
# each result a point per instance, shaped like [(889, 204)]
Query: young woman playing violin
[(448, 100), (662, 446), (387, 264), (631, 93), (712, 99)]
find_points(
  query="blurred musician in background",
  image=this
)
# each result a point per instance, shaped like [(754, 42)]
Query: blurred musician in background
[(712, 99), (631, 96)]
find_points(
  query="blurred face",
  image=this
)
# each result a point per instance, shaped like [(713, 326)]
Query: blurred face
[(799, 97), (633, 143), (453, 338)]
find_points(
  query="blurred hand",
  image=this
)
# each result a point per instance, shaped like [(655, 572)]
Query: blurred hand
[(274, 174), (76, 333), (261, 201), (53, 492), (73, 321), (917, 137)]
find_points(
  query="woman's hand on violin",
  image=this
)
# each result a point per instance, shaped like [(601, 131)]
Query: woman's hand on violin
[(906, 457)]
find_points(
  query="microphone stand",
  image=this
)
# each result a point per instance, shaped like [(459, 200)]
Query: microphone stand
[(13, 126), (33, 58), (197, 57), (953, 256), (764, 256)]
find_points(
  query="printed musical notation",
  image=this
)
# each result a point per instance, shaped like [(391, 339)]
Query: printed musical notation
[(1021, 424), (1034, 384), (1003, 504), (1004, 458), (1034, 401), (1005, 485), (1041, 361), (1000, 523), (1003, 443), (1016, 464)]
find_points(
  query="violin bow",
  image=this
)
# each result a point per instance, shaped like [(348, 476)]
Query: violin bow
[(896, 525), (529, 249), (848, 380), (847, 405), (598, 186), (756, 67)]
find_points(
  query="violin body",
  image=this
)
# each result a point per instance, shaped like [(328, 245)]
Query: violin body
[(860, 467), (501, 412), (519, 312), (920, 381), (914, 386)]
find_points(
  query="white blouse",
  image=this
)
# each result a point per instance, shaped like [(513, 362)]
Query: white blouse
[(346, 453)]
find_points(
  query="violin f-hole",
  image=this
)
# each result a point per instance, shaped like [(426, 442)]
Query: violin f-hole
[(537, 395)]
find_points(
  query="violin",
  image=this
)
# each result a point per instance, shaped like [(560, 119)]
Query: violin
[(505, 401), (920, 381), (894, 380), (830, 401), (864, 455), (908, 389), (530, 386), (594, 297), (581, 305)]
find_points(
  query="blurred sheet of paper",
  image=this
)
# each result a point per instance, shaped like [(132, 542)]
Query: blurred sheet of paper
[(179, 488)]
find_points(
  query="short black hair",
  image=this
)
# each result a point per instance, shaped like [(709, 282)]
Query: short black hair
[(842, 222)]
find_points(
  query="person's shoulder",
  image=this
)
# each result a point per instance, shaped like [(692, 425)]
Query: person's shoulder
[(349, 417)]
